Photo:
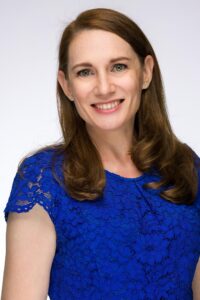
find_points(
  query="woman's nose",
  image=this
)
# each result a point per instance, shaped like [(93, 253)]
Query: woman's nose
[(104, 85)]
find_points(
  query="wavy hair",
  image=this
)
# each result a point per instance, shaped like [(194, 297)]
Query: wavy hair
[(155, 145)]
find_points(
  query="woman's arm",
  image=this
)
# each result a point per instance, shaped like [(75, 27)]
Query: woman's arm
[(30, 248), (196, 283)]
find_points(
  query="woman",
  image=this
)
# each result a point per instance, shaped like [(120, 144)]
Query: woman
[(113, 212)]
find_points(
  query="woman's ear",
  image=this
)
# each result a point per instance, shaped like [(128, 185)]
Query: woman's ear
[(64, 83), (147, 71)]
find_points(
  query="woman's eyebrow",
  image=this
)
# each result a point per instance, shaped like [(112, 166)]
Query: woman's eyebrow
[(87, 64), (120, 58)]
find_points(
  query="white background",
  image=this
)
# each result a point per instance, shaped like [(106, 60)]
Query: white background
[(30, 33)]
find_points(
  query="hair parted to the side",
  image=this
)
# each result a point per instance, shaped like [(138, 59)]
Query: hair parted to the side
[(155, 145)]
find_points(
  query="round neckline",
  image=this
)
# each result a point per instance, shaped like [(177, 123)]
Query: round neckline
[(122, 178)]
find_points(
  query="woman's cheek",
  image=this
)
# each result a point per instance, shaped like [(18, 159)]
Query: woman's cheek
[(81, 91)]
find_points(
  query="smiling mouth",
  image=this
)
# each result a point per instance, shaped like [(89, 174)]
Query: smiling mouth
[(108, 106)]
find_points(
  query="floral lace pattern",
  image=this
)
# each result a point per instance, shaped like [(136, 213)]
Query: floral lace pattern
[(129, 244)]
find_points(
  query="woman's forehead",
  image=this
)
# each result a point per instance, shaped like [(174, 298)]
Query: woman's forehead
[(98, 44)]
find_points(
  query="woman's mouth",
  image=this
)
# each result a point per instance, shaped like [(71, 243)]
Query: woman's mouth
[(108, 107)]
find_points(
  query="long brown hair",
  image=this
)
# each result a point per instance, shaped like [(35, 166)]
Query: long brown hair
[(155, 145)]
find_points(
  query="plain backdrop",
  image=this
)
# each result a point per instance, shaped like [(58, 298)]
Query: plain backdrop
[(30, 32)]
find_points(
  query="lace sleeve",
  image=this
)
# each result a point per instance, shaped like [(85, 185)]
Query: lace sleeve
[(31, 185)]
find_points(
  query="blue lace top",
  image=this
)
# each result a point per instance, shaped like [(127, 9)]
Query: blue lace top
[(129, 244)]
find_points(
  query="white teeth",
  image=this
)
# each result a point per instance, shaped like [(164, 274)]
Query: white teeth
[(107, 106)]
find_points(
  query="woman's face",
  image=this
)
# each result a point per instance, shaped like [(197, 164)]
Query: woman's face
[(105, 79)]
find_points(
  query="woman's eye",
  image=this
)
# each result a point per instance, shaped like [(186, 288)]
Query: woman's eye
[(84, 73), (119, 67)]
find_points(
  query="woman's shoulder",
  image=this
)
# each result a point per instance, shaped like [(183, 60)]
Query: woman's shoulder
[(195, 155), (34, 182), (196, 159), (43, 157)]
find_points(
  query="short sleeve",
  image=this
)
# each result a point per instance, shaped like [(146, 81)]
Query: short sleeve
[(33, 183)]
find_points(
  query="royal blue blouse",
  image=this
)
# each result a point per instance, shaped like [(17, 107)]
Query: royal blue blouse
[(129, 244)]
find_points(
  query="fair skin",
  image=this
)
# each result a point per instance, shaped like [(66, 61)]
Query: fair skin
[(30, 249), (31, 236)]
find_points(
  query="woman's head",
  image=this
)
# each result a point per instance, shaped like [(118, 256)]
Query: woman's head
[(105, 86), (108, 28)]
